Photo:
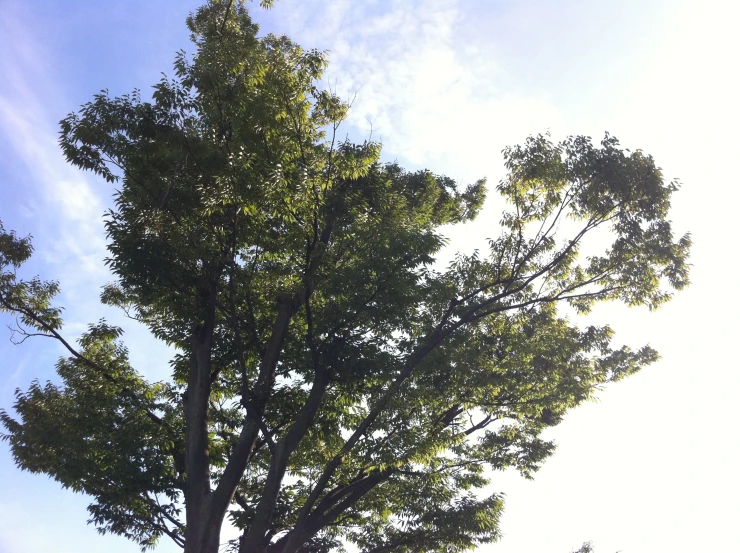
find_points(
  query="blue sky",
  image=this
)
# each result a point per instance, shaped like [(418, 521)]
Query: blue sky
[(445, 85)]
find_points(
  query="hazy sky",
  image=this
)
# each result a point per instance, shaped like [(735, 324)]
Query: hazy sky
[(446, 85)]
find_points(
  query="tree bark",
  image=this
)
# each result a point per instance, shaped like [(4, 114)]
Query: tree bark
[(201, 534)]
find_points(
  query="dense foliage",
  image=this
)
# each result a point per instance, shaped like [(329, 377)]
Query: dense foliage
[(328, 374)]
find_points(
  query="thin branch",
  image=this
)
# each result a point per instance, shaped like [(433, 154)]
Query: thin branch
[(226, 17), (52, 333), (239, 498)]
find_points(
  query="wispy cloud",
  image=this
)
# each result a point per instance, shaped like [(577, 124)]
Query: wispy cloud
[(64, 204), (59, 197), (423, 89)]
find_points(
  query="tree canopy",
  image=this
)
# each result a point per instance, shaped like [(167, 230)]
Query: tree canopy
[(328, 374)]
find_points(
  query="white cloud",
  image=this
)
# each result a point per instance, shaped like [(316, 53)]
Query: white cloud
[(57, 194), (65, 206), (25, 125), (427, 93)]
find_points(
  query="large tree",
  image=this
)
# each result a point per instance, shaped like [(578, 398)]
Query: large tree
[(331, 384)]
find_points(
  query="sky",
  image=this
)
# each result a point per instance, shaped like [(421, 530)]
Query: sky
[(445, 85)]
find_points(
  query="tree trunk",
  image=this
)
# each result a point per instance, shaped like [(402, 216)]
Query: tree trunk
[(203, 536)]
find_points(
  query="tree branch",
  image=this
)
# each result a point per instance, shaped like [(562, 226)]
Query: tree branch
[(52, 333), (254, 403)]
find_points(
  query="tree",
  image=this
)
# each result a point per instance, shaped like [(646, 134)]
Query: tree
[(327, 374), (585, 548)]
